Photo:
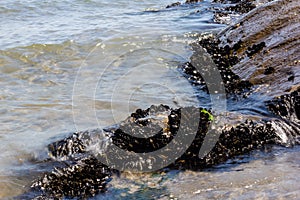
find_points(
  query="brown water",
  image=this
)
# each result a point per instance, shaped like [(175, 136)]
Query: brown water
[(76, 65)]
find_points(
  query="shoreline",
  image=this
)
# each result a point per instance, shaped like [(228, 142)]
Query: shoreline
[(234, 141)]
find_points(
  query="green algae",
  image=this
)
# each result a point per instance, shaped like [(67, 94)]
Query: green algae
[(210, 116)]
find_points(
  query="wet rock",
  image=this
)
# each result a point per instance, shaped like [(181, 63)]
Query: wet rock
[(173, 5), (269, 49), (86, 178), (230, 10), (84, 175), (146, 130), (224, 58), (68, 146), (239, 140), (242, 7), (262, 48), (228, 53), (77, 144), (186, 2), (286, 106), (81, 174)]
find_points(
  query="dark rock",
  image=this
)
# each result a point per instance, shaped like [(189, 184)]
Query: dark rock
[(173, 5), (84, 175), (242, 6), (224, 14), (187, 2), (192, 1), (224, 58), (286, 106), (86, 178)]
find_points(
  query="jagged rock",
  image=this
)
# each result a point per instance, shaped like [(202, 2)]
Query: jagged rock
[(226, 13), (224, 58), (75, 180), (83, 174), (269, 47), (260, 49), (86, 178)]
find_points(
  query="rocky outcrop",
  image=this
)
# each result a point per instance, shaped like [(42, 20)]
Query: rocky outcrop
[(258, 56), (83, 175), (268, 41), (261, 49)]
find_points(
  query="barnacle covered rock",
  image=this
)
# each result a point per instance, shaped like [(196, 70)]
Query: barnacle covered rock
[(83, 178)]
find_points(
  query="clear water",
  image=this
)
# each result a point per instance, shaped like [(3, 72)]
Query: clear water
[(73, 65)]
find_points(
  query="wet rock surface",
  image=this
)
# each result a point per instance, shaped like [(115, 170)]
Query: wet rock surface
[(83, 178), (250, 62), (186, 2), (232, 9), (224, 58), (269, 52), (84, 175)]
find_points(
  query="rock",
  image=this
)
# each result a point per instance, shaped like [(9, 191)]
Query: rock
[(269, 47), (173, 5), (178, 3), (81, 174), (193, 1), (224, 59), (230, 10), (84, 175), (86, 178)]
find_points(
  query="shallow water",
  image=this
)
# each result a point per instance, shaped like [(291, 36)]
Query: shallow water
[(75, 65), (263, 174)]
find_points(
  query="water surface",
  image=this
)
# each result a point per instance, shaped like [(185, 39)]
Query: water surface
[(75, 65)]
